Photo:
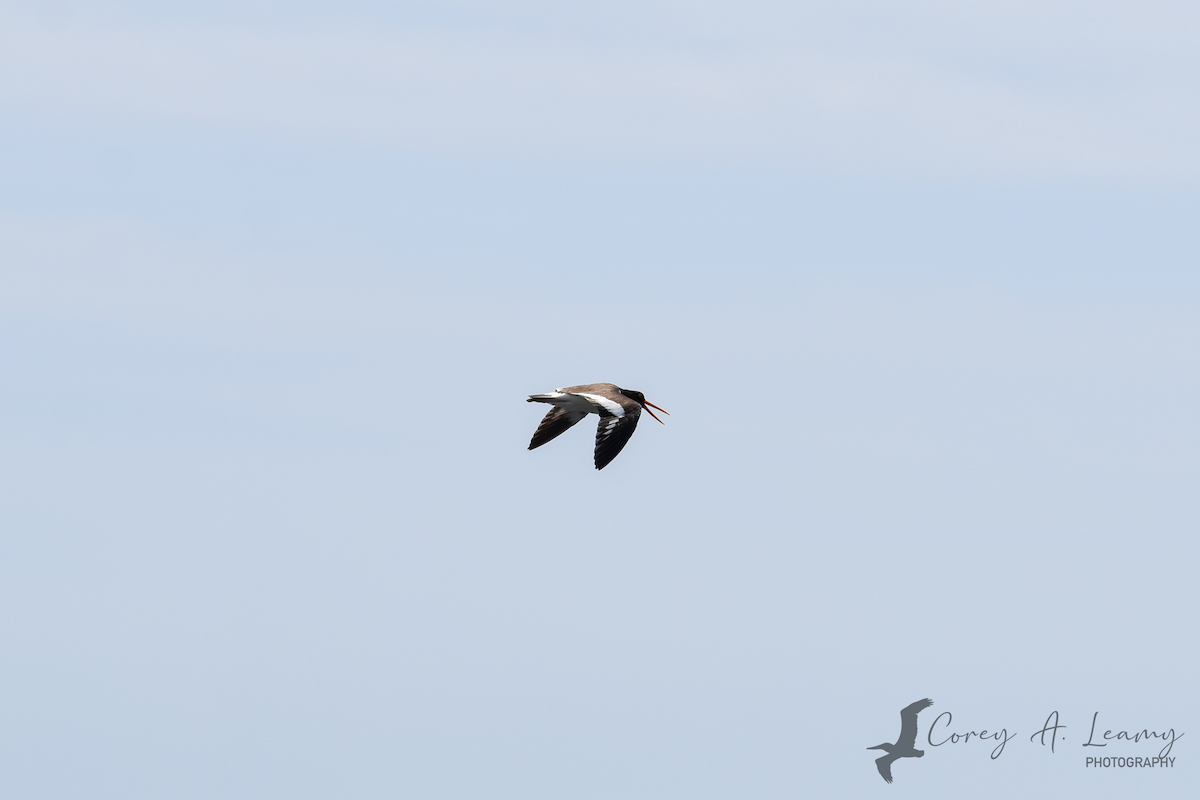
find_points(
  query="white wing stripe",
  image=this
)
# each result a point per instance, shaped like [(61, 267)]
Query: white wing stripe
[(616, 409)]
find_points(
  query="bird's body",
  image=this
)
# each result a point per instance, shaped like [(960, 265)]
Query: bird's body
[(905, 746), (619, 410)]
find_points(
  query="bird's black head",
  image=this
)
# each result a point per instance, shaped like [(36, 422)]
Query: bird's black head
[(641, 400), (634, 395)]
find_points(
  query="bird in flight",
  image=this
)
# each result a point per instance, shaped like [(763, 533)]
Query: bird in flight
[(618, 408), (905, 745)]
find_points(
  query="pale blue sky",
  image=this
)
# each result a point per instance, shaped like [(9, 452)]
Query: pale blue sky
[(916, 281)]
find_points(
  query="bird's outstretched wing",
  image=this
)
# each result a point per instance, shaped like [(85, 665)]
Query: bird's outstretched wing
[(612, 433), (556, 421), (884, 765), (908, 723)]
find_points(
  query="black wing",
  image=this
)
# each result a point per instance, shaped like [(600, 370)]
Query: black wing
[(884, 765), (612, 433), (554, 423), (908, 723)]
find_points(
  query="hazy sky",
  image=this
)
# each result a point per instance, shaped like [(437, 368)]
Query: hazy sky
[(917, 282)]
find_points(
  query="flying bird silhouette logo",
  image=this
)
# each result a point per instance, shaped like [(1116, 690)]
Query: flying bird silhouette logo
[(905, 746)]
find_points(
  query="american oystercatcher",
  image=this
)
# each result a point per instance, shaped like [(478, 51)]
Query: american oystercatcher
[(618, 408)]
